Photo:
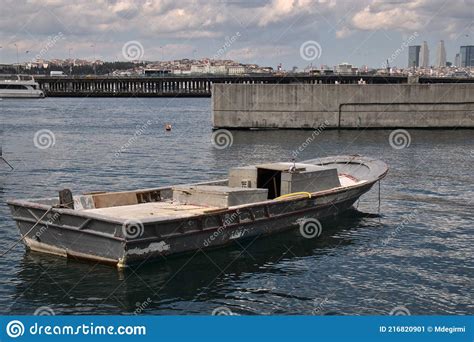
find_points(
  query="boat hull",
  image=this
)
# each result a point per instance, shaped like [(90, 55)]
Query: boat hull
[(102, 241), (21, 94)]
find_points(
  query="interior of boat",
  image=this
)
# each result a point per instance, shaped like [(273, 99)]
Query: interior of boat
[(246, 185)]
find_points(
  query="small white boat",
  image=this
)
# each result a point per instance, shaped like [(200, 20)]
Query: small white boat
[(19, 86)]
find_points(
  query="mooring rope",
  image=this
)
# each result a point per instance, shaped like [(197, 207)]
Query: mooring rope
[(6, 162), (25, 235), (1, 156), (378, 211)]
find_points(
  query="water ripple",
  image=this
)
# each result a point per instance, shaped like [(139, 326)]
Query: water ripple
[(417, 253)]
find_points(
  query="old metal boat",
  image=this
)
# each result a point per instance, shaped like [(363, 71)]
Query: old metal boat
[(125, 228)]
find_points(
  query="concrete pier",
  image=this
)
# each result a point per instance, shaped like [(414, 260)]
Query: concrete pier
[(343, 105), (198, 85)]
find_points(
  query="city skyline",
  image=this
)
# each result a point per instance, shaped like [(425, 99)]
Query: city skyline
[(261, 32), (418, 56)]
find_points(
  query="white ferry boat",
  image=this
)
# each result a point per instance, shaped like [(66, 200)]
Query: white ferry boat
[(19, 86)]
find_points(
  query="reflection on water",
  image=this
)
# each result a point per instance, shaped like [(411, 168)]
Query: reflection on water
[(417, 253), (184, 278)]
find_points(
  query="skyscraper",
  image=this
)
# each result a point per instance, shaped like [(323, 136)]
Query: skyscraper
[(441, 55), (414, 56), (457, 60), (467, 56), (424, 55)]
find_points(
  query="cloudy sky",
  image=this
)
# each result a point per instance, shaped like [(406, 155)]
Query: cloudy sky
[(266, 32)]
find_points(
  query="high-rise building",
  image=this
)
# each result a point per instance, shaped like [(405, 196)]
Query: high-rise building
[(414, 56), (424, 55), (441, 55), (457, 60), (467, 56)]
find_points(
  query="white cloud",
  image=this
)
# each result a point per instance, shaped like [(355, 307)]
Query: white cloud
[(267, 26), (442, 16), (344, 32), (393, 18)]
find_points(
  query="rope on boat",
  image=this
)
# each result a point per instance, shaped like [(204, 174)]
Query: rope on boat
[(379, 200), (26, 234), (6, 162), (294, 194)]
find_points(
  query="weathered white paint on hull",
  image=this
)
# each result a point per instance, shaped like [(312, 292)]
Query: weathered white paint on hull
[(154, 247)]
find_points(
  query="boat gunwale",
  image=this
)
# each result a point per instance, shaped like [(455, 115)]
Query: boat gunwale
[(169, 236), (234, 225), (355, 159)]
